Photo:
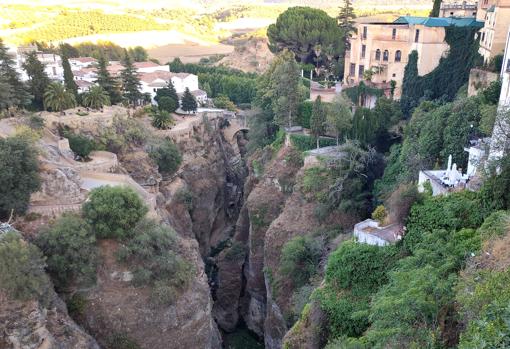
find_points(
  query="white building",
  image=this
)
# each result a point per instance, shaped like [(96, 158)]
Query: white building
[(52, 63), (500, 139), (81, 62), (443, 181), (150, 67), (370, 232)]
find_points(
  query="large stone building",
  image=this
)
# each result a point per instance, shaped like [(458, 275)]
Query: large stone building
[(496, 14), (379, 51)]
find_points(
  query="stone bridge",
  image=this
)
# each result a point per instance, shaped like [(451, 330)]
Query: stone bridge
[(236, 125)]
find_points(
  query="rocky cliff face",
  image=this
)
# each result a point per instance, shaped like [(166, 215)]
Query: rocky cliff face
[(32, 324), (116, 308), (274, 212)]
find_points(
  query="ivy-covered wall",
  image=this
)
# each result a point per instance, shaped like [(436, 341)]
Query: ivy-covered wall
[(446, 79)]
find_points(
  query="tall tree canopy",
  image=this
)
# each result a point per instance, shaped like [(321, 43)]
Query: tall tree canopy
[(105, 80), (19, 175), (130, 81), (318, 120), (188, 102), (12, 90), (301, 29), (346, 22), (38, 80), (435, 8), (69, 82)]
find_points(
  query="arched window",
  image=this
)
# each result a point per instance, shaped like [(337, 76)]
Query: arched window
[(386, 56), (398, 56), (377, 55)]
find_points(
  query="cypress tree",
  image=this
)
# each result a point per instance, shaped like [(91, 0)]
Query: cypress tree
[(435, 9), (188, 103), (12, 90), (69, 82), (318, 120), (38, 80), (106, 81), (130, 80), (346, 22)]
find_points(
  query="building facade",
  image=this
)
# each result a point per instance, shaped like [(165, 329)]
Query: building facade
[(455, 9), (496, 17), (379, 51), (500, 140)]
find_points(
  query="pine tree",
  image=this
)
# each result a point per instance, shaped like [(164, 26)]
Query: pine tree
[(106, 81), (346, 22), (130, 80), (12, 90), (188, 102), (69, 82), (318, 119), (168, 92), (435, 9), (38, 80)]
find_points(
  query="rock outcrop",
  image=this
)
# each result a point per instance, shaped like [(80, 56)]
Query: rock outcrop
[(34, 325), (115, 307)]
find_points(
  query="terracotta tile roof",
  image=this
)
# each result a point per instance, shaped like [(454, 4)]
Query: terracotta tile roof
[(149, 64), (84, 59)]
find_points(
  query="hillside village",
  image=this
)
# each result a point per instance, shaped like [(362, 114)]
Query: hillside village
[(353, 194)]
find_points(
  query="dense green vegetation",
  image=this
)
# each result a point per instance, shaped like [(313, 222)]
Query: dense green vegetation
[(154, 253), (409, 289), (166, 155), (19, 175), (70, 248), (434, 132), (113, 211), (238, 86), (22, 269), (446, 79)]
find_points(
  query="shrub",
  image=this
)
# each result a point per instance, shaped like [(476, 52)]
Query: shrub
[(167, 104), (113, 211), (300, 259), (76, 305), (22, 269), (185, 197), (305, 142), (80, 145), (19, 175), (224, 102), (167, 156), (359, 267), (70, 249), (162, 119), (121, 341), (380, 214), (35, 122), (153, 249)]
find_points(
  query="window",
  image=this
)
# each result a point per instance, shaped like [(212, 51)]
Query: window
[(352, 69), (393, 33), (361, 70), (483, 36), (398, 56), (377, 55), (417, 35), (365, 32), (393, 75), (54, 70), (385, 56), (363, 50), (474, 14), (451, 14)]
